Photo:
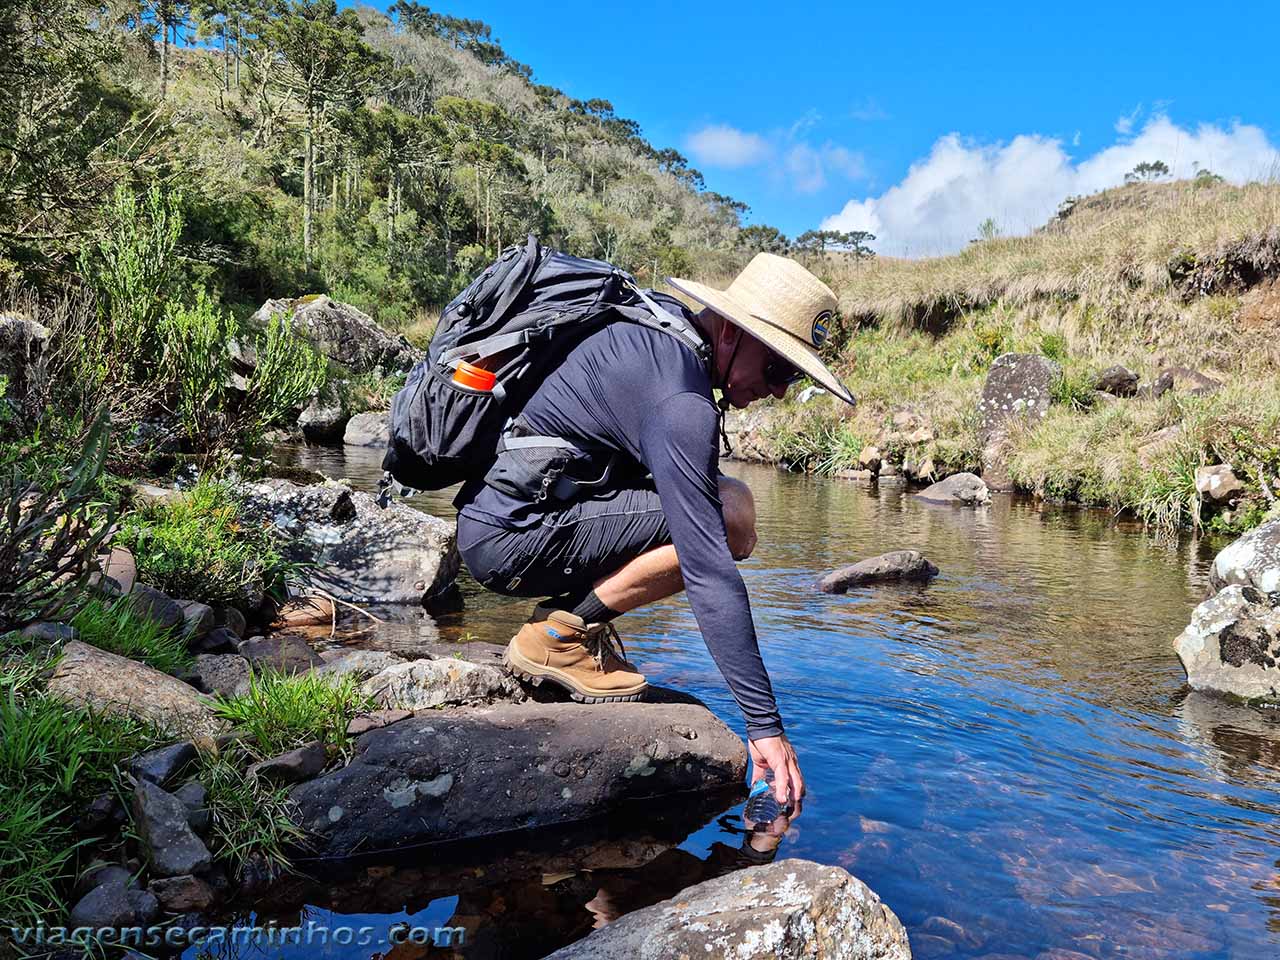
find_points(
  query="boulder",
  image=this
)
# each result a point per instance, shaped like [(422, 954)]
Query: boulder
[(869, 458), (156, 606), (120, 566), (305, 611), (1187, 380), (98, 873), (890, 567), (217, 640), (114, 904), (362, 552), (920, 435), (1232, 645), (224, 674), (375, 721), (24, 361), (89, 677), (231, 618), (749, 433), (293, 766), (1157, 388), (161, 766), (1218, 483), (1117, 381), (963, 488), (195, 798), (484, 770), (198, 618), (341, 332), (423, 684), (1019, 387), (372, 429), (283, 652), (787, 910), (180, 894), (359, 663), (1253, 560), (170, 845), (323, 423)]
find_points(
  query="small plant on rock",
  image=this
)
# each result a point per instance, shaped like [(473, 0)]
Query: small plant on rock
[(115, 626), (282, 712)]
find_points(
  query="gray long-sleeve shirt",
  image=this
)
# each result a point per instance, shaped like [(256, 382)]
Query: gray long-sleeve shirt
[(630, 388)]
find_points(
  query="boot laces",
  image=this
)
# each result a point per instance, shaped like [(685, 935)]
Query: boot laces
[(602, 641)]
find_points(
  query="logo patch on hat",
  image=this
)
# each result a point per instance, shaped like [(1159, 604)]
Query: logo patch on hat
[(820, 330)]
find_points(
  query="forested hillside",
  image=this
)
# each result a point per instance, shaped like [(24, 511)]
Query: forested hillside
[(302, 147)]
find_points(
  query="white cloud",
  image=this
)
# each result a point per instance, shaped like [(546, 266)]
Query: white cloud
[(721, 145), (1125, 123), (807, 166), (938, 206)]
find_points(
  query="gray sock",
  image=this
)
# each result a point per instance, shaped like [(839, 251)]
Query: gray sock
[(592, 610)]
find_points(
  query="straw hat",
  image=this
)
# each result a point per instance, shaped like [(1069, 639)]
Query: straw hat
[(781, 304)]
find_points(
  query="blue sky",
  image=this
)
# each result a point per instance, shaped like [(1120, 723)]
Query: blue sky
[(816, 113)]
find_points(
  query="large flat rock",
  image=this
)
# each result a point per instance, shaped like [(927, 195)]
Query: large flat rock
[(783, 910), (89, 677), (362, 552), (450, 775)]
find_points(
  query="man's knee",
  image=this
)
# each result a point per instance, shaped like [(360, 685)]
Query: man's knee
[(739, 517)]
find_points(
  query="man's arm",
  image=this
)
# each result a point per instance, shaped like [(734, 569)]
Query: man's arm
[(678, 444)]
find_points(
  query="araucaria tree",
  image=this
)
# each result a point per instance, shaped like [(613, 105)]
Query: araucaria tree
[(321, 61)]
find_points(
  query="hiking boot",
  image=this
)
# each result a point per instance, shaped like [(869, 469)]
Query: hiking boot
[(584, 659)]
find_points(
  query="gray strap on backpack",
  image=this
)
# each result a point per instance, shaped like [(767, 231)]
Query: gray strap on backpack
[(666, 320)]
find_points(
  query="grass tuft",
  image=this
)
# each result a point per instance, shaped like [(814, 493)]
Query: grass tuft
[(281, 712), (116, 627)]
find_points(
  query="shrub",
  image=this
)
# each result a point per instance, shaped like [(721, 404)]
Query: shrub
[(51, 535), (288, 373), (116, 627), (247, 816), (198, 364), (197, 545), (282, 712)]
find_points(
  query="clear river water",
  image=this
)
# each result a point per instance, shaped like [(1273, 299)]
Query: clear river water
[(1008, 756)]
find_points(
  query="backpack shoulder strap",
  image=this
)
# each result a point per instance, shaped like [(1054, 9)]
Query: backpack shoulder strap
[(660, 318)]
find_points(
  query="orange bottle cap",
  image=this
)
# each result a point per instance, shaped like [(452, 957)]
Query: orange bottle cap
[(477, 378)]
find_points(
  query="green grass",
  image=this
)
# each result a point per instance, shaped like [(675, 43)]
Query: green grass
[(281, 712), (116, 627), (198, 546), (247, 815), (54, 758)]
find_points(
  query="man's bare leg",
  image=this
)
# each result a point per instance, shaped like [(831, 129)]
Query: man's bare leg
[(655, 574)]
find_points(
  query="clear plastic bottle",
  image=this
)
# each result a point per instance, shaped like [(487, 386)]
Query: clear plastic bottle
[(762, 807)]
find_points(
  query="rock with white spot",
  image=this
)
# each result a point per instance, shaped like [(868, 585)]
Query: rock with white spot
[(786, 910), (966, 489), (1019, 388), (1253, 560), (1232, 645), (477, 771), (423, 684), (1218, 483)]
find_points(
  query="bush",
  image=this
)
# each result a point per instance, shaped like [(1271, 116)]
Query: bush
[(198, 364), (288, 373), (116, 627), (198, 546), (282, 712), (51, 535), (53, 759)]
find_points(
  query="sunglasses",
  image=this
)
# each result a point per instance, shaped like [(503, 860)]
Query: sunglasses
[(782, 373)]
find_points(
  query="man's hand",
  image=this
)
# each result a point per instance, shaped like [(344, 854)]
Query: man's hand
[(777, 755)]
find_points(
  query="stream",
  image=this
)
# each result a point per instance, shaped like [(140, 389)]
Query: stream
[(1007, 756)]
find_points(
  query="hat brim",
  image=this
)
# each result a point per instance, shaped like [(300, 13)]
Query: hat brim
[(787, 345)]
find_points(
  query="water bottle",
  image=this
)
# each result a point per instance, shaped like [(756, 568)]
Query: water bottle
[(762, 806)]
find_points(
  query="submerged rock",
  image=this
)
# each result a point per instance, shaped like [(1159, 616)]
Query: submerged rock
[(362, 552), (964, 488), (484, 770), (788, 909), (886, 568), (89, 677), (1232, 645), (1253, 560)]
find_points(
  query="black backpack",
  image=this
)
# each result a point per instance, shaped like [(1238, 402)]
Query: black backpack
[(521, 315)]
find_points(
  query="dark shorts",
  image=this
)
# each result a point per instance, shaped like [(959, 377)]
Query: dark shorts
[(570, 550)]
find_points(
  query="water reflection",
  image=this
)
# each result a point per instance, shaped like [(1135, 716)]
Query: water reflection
[(1008, 755)]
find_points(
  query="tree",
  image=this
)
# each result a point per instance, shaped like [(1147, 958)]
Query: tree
[(762, 238), (1146, 172), (854, 242), (322, 62)]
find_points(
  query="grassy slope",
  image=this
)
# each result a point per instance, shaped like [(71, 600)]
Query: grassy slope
[(1145, 275)]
